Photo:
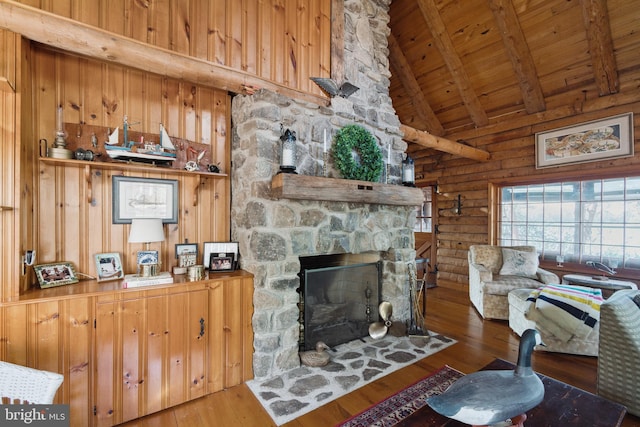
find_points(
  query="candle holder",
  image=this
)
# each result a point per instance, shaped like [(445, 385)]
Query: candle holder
[(287, 151)]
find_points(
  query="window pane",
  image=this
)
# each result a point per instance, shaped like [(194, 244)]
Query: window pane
[(582, 220)]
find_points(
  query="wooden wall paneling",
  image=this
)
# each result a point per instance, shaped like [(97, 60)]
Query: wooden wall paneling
[(112, 13), (86, 12), (137, 20), (8, 60), (246, 284), (158, 24), (234, 32), (216, 336), (304, 49), (292, 48), (199, 28), (217, 41), (177, 377), (26, 150), (9, 167), (78, 357), (17, 335), (133, 358), (197, 343), (161, 316), (134, 98), (251, 33), (106, 380), (279, 42), (264, 39), (189, 97), (179, 21), (234, 331)]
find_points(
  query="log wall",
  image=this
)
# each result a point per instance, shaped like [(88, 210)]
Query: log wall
[(512, 149)]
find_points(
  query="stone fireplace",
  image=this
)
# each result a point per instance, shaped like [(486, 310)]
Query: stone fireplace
[(273, 233)]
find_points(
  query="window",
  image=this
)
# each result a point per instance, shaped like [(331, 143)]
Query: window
[(424, 213), (596, 220)]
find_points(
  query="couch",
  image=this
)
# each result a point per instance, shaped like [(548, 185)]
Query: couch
[(619, 349), (494, 271)]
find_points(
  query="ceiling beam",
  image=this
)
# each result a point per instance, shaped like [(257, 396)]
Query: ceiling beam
[(519, 54), (412, 87), (441, 144), (596, 22), (81, 39), (454, 64)]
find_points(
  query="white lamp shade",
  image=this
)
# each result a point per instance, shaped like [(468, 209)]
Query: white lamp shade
[(146, 230)]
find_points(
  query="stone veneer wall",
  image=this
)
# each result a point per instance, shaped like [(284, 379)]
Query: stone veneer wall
[(273, 233)]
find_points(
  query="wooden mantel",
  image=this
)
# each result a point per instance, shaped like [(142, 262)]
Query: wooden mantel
[(302, 187)]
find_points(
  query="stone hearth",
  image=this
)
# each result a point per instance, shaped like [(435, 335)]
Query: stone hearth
[(273, 233)]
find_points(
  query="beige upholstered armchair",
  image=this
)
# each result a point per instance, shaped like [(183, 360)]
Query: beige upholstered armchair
[(496, 270), (619, 349)]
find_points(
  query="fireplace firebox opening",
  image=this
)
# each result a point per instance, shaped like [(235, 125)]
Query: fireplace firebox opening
[(339, 297)]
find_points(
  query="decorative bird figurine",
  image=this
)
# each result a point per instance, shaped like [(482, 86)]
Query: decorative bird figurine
[(317, 357), (331, 87), (489, 397)]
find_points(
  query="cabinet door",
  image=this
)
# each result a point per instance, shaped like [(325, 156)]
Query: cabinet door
[(55, 336), (150, 354)]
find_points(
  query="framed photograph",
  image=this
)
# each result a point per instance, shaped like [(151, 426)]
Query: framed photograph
[(55, 274), (108, 267), (147, 257), (144, 198), (221, 262), (218, 248), (588, 142), (186, 248)]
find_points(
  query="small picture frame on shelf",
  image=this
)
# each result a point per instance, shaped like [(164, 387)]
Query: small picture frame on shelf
[(221, 262), (230, 248), (186, 248), (55, 274), (108, 267), (147, 257)]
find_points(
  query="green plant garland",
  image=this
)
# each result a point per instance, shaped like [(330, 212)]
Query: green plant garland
[(356, 138)]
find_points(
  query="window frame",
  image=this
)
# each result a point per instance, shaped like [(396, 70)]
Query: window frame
[(494, 194)]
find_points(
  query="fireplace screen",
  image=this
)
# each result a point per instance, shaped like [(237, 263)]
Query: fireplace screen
[(338, 303)]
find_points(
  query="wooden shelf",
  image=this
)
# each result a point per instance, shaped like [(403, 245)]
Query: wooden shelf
[(130, 166), (301, 187)]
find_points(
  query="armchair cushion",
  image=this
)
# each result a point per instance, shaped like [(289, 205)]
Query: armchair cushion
[(519, 263)]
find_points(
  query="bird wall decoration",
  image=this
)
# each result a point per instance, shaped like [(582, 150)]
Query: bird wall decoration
[(331, 87), (490, 397)]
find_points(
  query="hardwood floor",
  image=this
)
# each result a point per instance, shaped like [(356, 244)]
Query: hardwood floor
[(449, 313)]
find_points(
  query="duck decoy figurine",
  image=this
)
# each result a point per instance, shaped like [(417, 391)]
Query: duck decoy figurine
[(317, 357), (489, 397)]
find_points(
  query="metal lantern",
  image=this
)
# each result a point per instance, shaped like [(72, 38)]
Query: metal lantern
[(288, 152), (408, 172)]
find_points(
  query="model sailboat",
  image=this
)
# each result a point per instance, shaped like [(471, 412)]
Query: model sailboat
[(147, 152)]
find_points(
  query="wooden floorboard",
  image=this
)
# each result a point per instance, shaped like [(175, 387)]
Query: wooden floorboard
[(449, 313)]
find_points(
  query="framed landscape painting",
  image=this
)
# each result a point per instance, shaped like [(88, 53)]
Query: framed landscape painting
[(603, 139)]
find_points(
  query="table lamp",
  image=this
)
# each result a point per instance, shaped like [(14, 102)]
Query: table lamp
[(147, 230)]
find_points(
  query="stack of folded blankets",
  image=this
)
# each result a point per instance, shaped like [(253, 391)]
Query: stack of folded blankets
[(565, 311)]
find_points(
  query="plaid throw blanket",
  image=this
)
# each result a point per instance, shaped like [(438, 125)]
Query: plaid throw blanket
[(565, 311)]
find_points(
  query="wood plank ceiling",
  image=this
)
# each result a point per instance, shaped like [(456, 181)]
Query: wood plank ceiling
[(466, 65)]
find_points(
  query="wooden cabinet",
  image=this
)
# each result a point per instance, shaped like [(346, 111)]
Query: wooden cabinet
[(151, 353), (126, 353)]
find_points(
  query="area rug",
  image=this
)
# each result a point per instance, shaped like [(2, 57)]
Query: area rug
[(294, 393), (401, 405)]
